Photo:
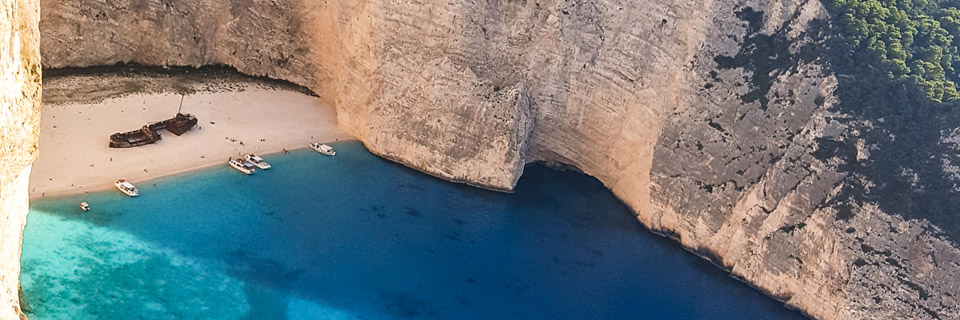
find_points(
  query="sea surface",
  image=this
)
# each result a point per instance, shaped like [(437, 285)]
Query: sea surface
[(358, 237)]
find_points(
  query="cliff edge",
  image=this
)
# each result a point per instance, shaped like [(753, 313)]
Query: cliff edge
[(718, 122), (19, 125)]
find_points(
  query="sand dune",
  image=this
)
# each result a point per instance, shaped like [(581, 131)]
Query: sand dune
[(74, 156)]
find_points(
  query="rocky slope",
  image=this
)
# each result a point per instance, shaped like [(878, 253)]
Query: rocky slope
[(19, 124), (716, 121)]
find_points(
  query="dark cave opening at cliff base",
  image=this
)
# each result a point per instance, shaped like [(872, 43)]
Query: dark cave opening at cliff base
[(182, 79)]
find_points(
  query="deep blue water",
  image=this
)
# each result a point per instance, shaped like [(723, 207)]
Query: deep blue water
[(357, 237)]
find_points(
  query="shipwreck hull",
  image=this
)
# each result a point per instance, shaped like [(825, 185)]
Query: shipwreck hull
[(144, 136), (150, 133)]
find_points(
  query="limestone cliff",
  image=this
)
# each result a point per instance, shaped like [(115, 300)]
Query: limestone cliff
[(716, 121), (19, 122), (256, 37)]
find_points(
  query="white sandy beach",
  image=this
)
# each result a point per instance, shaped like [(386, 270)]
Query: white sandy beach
[(74, 157)]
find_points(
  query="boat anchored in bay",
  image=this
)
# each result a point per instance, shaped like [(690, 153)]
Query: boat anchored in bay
[(127, 188), (257, 161), (322, 148), (242, 166)]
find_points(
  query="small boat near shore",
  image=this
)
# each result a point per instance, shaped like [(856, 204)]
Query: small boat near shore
[(322, 148), (242, 166), (84, 206), (257, 161), (127, 188)]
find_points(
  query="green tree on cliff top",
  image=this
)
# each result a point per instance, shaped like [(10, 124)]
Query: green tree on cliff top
[(912, 42)]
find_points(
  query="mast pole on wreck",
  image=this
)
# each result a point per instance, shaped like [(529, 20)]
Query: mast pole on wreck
[(181, 104)]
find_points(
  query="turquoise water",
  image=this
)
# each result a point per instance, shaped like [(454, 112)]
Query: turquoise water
[(357, 237)]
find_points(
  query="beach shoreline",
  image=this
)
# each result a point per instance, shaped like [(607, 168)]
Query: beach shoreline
[(75, 159), (149, 177)]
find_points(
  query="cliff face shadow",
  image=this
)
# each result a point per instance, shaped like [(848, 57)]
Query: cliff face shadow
[(900, 149), (122, 79)]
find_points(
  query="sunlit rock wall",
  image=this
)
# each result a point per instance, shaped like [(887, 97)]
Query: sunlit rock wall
[(19, 125)]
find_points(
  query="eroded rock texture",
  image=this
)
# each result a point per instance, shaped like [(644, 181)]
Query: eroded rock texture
[(716, 121), (739, 177), (19, 122), (256, 37)]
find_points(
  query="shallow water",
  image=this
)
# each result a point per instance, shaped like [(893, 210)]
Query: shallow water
[(357, 237)]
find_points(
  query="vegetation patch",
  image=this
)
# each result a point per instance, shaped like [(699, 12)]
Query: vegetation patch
[(897, 65), (910, 42)]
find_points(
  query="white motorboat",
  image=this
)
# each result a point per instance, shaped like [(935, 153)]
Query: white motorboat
[(257, 161), (322, 148), (84, 206), (127, 188), (242, 166)]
